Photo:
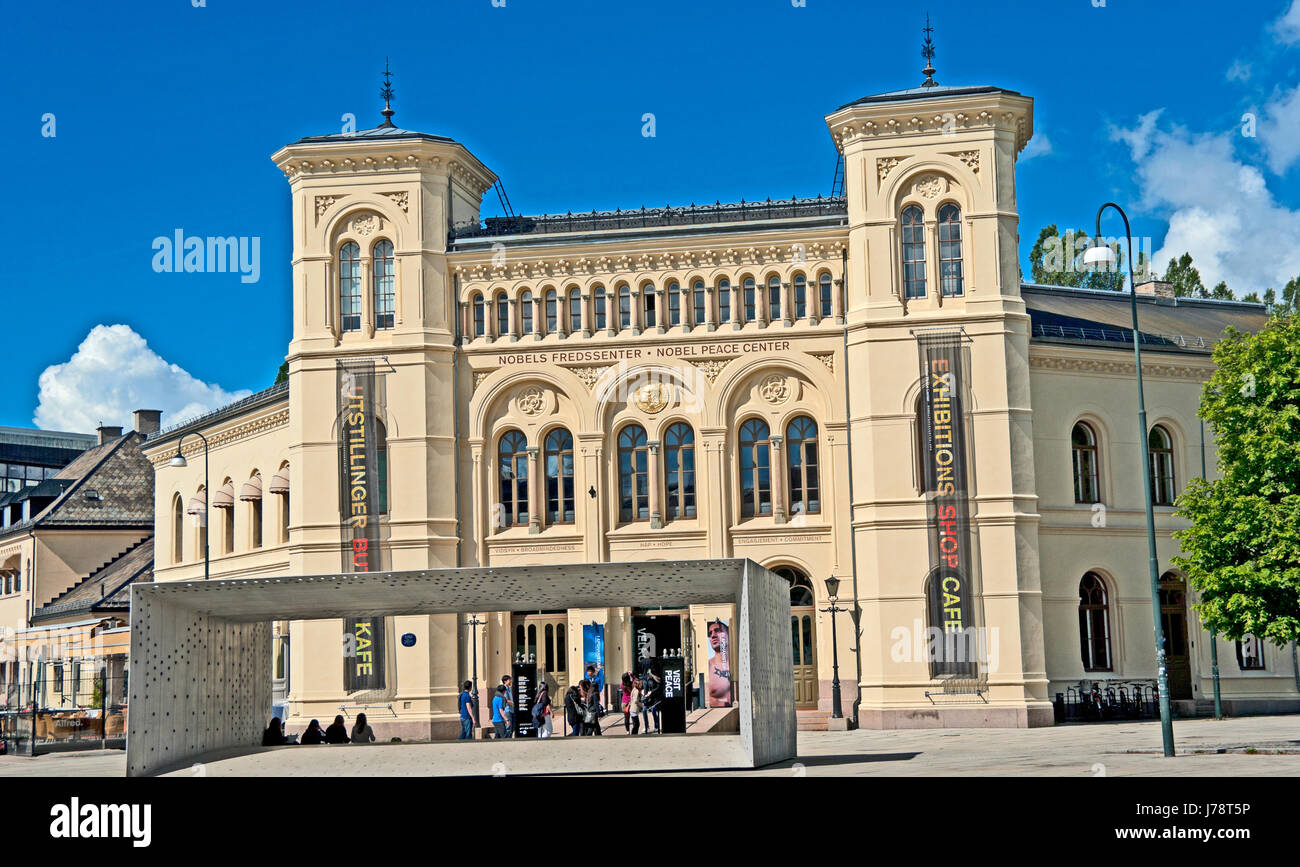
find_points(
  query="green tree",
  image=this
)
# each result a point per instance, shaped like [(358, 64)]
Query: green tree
[(1222, 292), (1057, 260), (282, 375), (1242, 550), (1185, 278)]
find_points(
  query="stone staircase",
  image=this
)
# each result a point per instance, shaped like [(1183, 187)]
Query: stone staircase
[(813, 720)]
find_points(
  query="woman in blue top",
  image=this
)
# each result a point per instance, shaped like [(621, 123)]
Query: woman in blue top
[(498, 711)]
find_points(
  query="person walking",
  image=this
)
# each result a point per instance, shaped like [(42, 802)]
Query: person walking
[(626, 700), (574, 708), (499, 722), (466, 702), (314, 735), (635, 705), (338, 732), (362, 733), (595, 710), (509, 714), (542, 711)]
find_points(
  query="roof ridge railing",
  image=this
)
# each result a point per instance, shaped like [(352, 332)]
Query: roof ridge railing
[(669, 215), (1117, 335), (221, 410)]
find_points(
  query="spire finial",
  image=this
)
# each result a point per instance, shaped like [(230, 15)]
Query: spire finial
[(387, 93), (927, 51)]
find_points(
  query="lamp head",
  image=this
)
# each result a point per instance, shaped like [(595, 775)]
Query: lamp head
[(833, 587), (1099, 256), (178, 460)]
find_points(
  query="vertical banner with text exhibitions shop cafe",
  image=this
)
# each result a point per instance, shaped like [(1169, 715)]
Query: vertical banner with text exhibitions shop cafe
[(952, 588), (359, 397)]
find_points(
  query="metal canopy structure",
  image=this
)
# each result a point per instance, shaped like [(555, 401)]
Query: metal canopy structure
[(201, 651)]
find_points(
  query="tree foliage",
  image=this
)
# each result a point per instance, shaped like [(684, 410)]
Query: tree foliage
[(1057, 260), (1242, 550)]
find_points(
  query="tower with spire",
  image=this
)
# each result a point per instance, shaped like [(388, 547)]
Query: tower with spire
[(927, 52), (386, 93)]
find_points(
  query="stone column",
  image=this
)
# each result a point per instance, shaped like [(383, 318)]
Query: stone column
[(652, 469), (634, 315), (661, 311), (837, 300), (777, 475), (813, 290), (586, 315), (466, 323), (539, 310), (711, 307), (787, 304), (534, 492), (513, 304), (688, 308)]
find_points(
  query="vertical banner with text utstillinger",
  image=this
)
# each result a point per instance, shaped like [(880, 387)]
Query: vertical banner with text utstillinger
[(952, 585), (359, 399)]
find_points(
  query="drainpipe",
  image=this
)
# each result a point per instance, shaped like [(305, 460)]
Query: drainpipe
[(1214, 641), (853, 536), (455, 405)]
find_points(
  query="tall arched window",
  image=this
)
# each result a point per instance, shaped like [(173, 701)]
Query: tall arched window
[(558, 456), (679, 470), (350, 286), (526, 312), (755, 469), (800, 296), (824, 290), (697, 293), (251, 493), (648, 319), (552, 312), (477, 305), (773, 298), (913, 252), (381, 465), (385, 297), (601, 321), (1094, 623), (674, 305), (624, 307), (801, 593), (633, 474), (575, 311), (749, 292), (1161, 445), (178, 529), (951, 282), (724, 300), (1083, 445), (503, 315), (805, 477), (512, 460)]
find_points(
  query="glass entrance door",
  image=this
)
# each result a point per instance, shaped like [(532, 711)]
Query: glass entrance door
[(545, 638)]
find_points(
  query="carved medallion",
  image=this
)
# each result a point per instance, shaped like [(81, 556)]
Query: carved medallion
[(774, 389), (930, 186), (652, 397), (365, 224), (532, 400)]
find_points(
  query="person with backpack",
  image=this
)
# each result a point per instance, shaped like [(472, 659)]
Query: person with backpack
[(542, 711), (574, 708)]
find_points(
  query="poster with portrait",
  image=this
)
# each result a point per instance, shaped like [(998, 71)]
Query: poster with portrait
[(593, 651), (719, 664)]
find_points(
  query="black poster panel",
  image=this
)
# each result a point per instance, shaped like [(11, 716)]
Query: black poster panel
[(672, 709), (524, 689), (655, 636), (358, 399), (950, 588)]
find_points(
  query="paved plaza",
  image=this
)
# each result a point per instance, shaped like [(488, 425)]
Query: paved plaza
[(1252, 746)]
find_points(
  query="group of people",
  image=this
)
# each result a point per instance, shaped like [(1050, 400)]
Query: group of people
[(338, 733), (641, 695)]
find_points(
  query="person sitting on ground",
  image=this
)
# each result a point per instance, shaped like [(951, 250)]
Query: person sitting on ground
[(337, 733), (274, 734), (313, 735), (362, 733)]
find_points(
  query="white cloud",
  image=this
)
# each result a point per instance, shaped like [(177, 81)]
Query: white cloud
[(1287, 27), (1219, 209), (1039, 146), (1279, 129), (1239, 71), (114, 372)]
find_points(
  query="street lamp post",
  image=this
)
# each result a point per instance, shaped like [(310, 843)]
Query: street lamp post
[(1100, 254), (832, 590), (474, 623), (179, 461)]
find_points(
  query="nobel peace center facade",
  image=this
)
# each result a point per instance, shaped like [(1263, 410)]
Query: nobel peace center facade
[(857, 387)]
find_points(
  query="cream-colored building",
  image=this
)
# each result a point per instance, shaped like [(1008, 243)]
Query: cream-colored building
[(730, 381)]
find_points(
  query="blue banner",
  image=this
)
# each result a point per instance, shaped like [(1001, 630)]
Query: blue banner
[(593, 651)]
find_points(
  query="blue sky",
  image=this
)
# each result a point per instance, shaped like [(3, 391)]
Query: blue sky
[(166, 115)]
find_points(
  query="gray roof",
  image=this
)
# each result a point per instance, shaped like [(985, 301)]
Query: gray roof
[(277, 392), (937, 90), (379, 133), (108, 589)]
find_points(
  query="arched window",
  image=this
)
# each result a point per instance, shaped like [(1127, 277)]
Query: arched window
[(1161, 445), (951, 282), (526, 312), (223, 501), (1083, 444), (385, 297), (824, 289), (381, 465), (800, 296), (773, 298), (624, 307), (679, 470), (633, 474), (674, 305), (503, 315), (559, 476), (1094, 623), (801, 592), (575, 311), (913, 252), (724, 300), (801, 456), (252, 494), (350, 286), (648, 319), (552, 312), (477, 305), (755, 469), (201, 536), (1250, 653), (178, 529), (698, 292), (512, 460), (601, 321), (749, 292)]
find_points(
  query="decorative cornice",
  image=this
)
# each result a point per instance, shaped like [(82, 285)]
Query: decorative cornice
[(243, 431), (347, 164), (1072, 364)]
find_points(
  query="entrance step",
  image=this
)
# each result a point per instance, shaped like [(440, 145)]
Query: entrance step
[(813, 720)]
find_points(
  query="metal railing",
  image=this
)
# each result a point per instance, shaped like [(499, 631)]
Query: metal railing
[(86, 710), (1103, 701), (1117, 335), (691, 215)]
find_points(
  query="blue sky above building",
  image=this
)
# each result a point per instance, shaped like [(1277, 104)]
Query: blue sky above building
[(165, 116)]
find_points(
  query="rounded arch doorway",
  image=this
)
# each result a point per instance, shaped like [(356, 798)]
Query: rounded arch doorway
[(803, 623)]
